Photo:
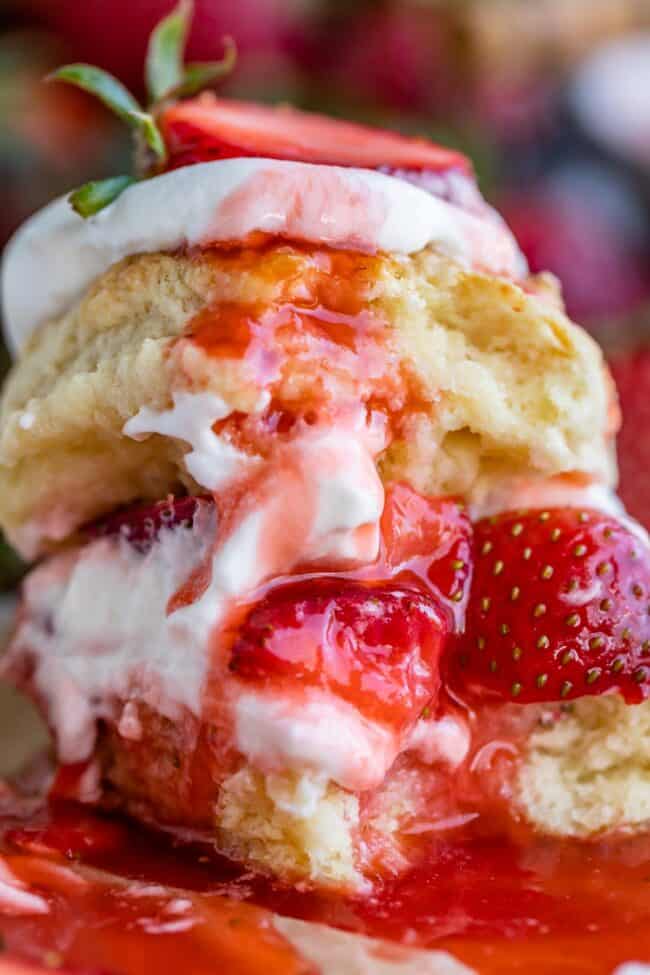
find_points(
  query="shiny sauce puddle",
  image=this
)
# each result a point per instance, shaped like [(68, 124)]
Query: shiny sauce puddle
[(123, 900)]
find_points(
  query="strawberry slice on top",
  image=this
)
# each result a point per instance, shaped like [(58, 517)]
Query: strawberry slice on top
[(559, 609), (208, 128)]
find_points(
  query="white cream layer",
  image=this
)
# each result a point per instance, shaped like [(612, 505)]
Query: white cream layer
[(95, 620), (57, 254)]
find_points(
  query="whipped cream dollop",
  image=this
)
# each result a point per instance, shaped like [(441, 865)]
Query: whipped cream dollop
[(57, 254), (317, 497)]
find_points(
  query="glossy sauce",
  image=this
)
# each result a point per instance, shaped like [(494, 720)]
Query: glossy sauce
[(314, 341), (535, 906)]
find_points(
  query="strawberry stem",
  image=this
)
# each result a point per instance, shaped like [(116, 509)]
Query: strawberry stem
[(166, 77), (116, 97)]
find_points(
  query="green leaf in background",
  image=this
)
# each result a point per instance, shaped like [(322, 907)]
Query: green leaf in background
[(200, 75), (115, 96), (94, 196), (164, 64)]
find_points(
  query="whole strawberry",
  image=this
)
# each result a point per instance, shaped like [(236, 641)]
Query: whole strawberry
[(559, 609)]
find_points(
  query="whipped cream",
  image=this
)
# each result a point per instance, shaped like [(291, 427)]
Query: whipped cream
[(57, 254), (212, 461), (126, 647), (15, 897), (317, 497), (314, 732)]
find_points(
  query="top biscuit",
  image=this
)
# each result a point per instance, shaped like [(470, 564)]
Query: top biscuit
[(480, 379)]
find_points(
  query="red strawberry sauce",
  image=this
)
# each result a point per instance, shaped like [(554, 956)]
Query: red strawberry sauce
[(501, 906)]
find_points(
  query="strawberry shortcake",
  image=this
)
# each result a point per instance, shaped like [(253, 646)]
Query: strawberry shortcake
[(320, 484)]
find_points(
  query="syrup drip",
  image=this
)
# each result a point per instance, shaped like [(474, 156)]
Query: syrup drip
[(538, 906)]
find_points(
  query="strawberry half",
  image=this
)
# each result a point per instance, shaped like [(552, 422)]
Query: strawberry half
[(208, 128), (377, 646), (559, 608)]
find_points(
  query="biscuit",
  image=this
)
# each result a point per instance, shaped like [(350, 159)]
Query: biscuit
[(481, 379)]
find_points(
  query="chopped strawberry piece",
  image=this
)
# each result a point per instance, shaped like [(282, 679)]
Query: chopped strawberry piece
[(559, 609), (141, 524), (208, 128), (375, 645), (431, 537)]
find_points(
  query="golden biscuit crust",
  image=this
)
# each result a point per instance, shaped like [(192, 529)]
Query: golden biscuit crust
[(481, 379)]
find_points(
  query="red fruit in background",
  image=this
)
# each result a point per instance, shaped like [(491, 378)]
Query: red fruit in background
[(403, 57), (600, 271), (631, 370), (114, 34), (208, 128), (559, 608), (377, 646)]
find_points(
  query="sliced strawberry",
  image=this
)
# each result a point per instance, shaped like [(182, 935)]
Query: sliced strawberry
[(375, 645), (208, 128), (560, 608), (431, 538), (141, 524)]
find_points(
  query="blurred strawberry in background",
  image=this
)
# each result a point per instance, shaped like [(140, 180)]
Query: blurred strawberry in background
[(39, 126), (585, 228), (631, 369), (394, 55), (114, 33)]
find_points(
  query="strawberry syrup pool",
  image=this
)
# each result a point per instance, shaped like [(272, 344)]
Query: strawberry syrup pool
[(116, 898)]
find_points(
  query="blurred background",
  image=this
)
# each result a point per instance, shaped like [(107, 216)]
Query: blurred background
[(551, 98)]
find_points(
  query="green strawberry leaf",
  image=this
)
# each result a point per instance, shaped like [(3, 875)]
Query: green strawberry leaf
[(94, 196), (100, 83), (200, 75), (167, 77), (164, 64), (116, 97)]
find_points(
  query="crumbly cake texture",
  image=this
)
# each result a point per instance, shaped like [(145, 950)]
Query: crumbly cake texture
[(490, 378), (590, 771), (297, 825), (583, 772)]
